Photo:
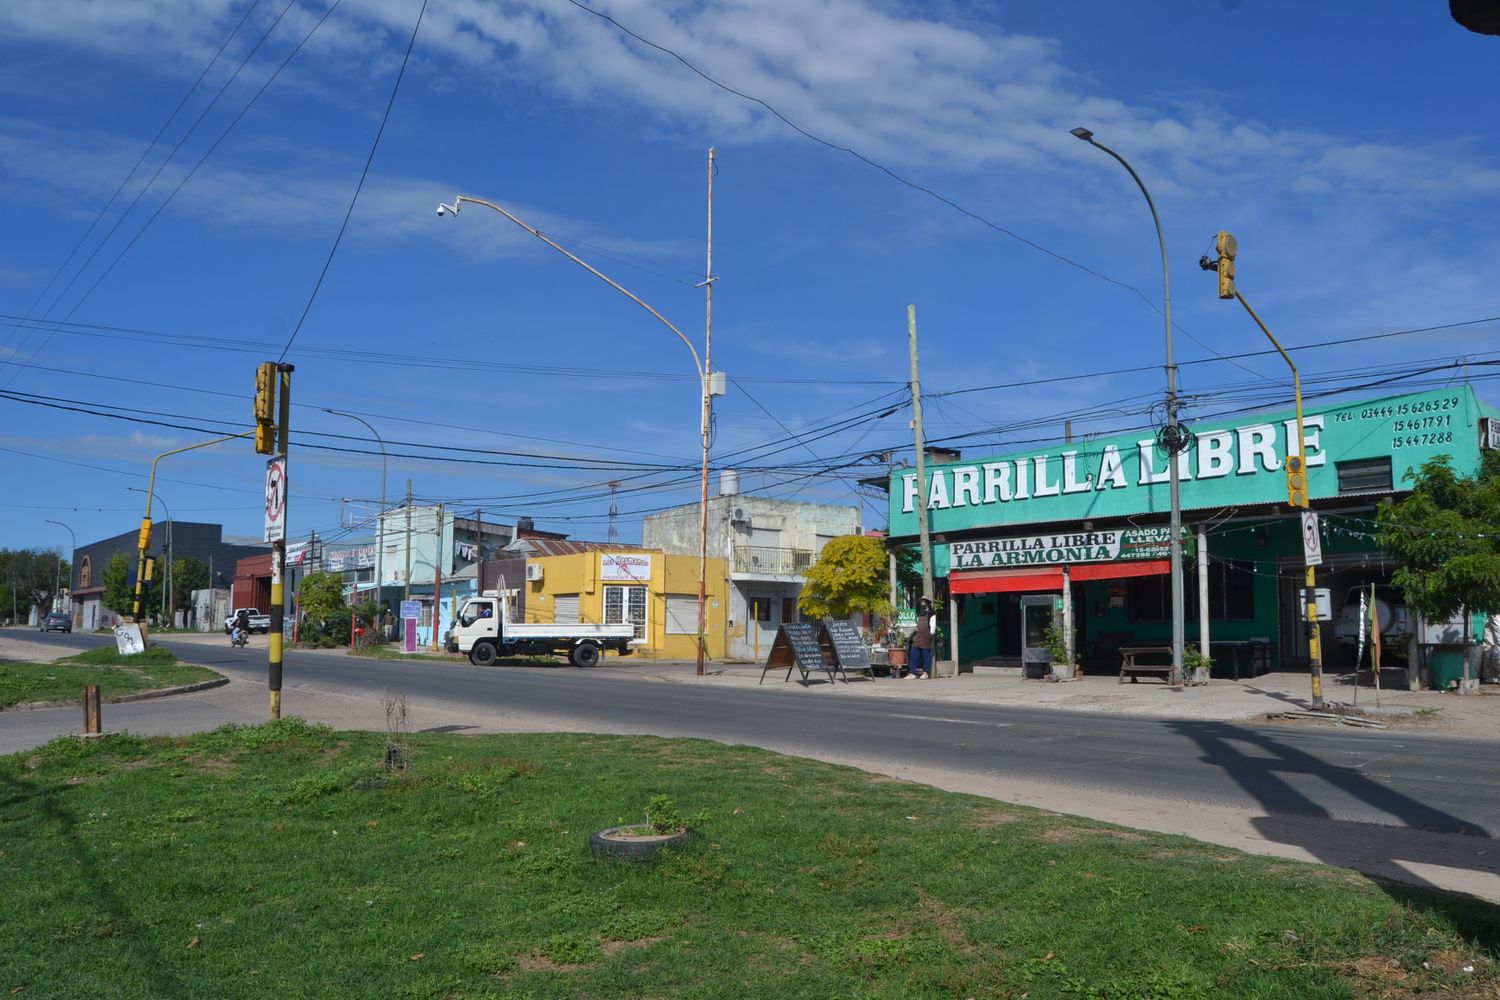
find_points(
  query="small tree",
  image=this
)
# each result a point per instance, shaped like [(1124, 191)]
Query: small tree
[(322, 596), (119, 592), (188, 575), (848, 578), (1447, 535)]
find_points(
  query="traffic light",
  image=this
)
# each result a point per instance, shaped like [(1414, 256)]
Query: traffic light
[(1296, 481), (265, 408), (1225, 244)]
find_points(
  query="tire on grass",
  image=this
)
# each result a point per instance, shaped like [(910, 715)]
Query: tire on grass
[(607, 844), (482, 654)]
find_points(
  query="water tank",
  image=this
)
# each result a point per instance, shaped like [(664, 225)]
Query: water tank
[(729, 483)]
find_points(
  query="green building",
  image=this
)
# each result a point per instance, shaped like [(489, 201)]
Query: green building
[(1081, 529)]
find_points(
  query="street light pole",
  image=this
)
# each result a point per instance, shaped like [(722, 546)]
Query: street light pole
[(380, 521), (143, 542), (58, 585), (703, 399), (1173, 433)]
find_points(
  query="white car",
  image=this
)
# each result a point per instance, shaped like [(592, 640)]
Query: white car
[(1395, 623)]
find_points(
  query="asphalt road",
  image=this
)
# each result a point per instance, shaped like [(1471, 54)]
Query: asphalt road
[(1360, 777), (1411, 810)]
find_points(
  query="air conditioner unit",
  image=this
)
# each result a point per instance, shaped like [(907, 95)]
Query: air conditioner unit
[(534, 571), (739, 514)]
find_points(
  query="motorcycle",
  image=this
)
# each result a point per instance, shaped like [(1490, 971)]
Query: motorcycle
[(239, 638)]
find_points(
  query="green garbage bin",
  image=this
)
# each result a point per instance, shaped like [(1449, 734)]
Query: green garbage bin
[(1446, 665)]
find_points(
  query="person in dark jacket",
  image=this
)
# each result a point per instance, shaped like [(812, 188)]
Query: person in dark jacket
[(920, 663)]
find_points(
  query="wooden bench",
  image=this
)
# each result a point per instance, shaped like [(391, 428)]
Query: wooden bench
[(1130, 657)]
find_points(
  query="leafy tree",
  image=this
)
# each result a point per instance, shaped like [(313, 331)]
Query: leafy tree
[(850, 576), (31, 578), (119, 593), (1447, 534), (321, 596), (188, 574)]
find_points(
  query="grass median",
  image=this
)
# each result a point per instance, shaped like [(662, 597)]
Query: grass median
[(284, 860), (114, 672)]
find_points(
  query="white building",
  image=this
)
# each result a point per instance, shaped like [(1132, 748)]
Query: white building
[(768, 545)]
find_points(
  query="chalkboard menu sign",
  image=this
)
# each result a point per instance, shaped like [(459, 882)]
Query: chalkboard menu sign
[(797, 648), (848, 648)]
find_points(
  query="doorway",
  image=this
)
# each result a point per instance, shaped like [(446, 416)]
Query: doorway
[(1037, 612)]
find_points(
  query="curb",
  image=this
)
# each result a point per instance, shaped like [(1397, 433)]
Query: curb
[(121, 699)]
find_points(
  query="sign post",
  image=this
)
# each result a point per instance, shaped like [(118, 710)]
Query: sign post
[(411, 613), (1312, 538)]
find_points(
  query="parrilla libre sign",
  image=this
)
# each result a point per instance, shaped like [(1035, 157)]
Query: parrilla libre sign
[(1228, 464), (1061, 547)]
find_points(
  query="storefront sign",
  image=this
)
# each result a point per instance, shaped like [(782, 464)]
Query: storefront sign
[(1065, 547), (1227, 464), (615, 566)]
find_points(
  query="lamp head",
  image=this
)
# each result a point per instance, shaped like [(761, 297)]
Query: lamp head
[(1083, 133)]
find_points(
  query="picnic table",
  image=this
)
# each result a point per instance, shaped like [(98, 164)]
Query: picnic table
[(1130, 662)]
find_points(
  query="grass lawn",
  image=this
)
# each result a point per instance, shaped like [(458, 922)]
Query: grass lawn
[(282, 861), (64, 680)]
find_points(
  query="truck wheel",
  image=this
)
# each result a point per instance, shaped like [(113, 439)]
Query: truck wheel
[(483, 654), (585, 654)]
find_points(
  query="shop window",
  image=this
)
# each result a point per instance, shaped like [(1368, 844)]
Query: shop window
[(760, 607), (1367, 475), (1231, 593)]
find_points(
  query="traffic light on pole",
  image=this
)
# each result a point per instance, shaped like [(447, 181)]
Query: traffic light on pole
[(265, 408), (1296, 481), (1225, 244)]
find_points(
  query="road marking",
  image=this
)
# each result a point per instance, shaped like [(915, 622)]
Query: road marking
[(961, 722)]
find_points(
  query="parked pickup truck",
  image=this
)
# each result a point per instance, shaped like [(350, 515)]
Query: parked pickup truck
[(258, 622), (484, 630)]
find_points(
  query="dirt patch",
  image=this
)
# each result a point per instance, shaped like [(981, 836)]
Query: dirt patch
[(993, 820), (1067, 834), (1384, 978)]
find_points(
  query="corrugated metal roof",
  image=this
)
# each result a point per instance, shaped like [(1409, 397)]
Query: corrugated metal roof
[(568, 547)]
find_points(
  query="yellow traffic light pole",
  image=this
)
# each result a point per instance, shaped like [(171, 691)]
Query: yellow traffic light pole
[(144, 542), (1296, 465)]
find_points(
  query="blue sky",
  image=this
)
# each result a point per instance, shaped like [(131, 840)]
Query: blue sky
[(1350, 148)]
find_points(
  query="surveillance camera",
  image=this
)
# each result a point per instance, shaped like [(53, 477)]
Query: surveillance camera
[(442, 209)]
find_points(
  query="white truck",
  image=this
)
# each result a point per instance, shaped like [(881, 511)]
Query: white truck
[(484, 630)]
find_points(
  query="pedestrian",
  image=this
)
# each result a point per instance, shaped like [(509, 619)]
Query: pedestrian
[(919, 665), (1489, 656), (387, 625)]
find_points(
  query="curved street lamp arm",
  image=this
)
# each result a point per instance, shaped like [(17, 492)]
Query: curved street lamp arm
[(459, 200)]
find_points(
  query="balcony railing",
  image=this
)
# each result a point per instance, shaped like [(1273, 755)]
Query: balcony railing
[(764, 560)]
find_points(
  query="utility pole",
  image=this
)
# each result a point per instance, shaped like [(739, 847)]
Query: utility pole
[(1297, 485), (708, 353), (278, 547), (406, 573), (916, 426)]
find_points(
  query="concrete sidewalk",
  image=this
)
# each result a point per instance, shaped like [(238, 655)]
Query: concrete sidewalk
[(1475, 716)]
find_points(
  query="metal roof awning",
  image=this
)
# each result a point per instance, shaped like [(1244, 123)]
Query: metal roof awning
[(1034, 579)]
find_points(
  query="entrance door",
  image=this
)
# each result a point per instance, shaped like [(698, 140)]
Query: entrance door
[(1036, 617), (764, 614)]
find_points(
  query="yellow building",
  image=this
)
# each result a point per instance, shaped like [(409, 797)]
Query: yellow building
[(656, 592)]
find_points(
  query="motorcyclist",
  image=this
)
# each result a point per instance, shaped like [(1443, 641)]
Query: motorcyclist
[(241, 633)]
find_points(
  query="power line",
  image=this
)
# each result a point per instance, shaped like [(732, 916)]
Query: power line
[(390, 103)]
